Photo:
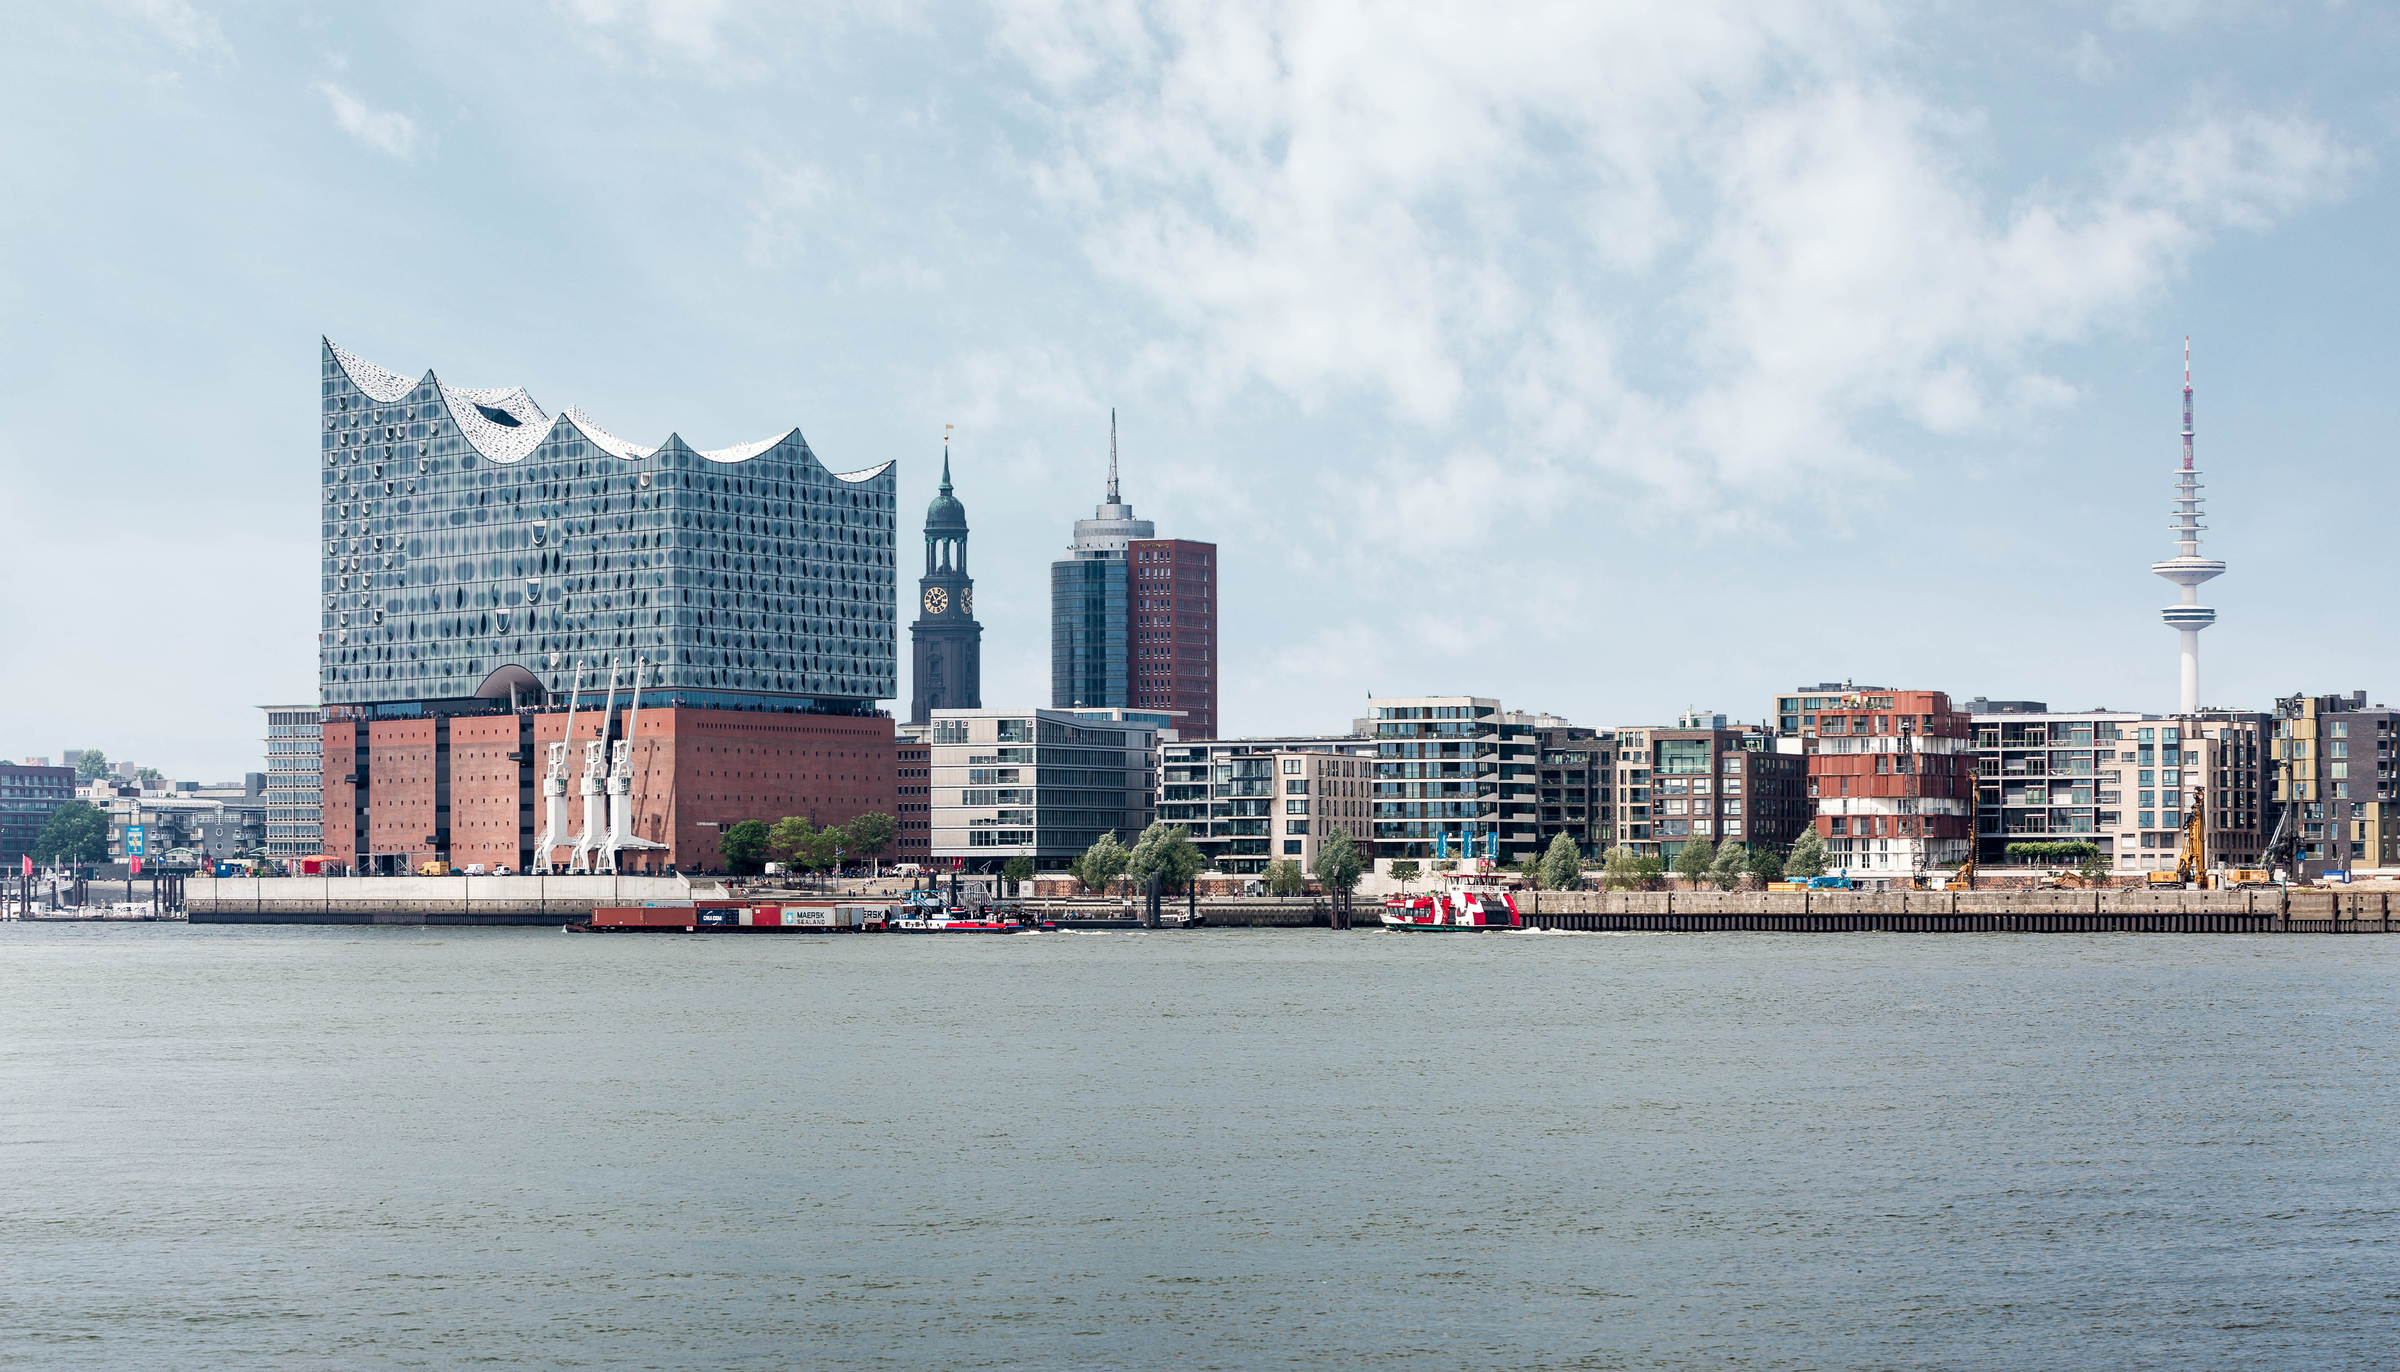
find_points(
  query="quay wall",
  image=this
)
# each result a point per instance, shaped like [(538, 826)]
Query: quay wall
[(2126, 911), (525, 900)]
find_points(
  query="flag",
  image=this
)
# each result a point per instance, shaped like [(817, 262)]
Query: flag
[(28, 861), (137, 867)]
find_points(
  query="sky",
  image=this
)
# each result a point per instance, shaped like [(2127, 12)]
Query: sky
[(1606, 359)]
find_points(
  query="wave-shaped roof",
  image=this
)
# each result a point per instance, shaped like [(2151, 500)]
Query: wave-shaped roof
[(506, 425)]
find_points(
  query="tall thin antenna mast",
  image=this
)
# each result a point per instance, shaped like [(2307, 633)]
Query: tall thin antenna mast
[(2187, 402), (1112, 455)]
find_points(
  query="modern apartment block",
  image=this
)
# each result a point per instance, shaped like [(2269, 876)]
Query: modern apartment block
[(1706, 779), (1133, 617), (2117, 779), (2340, 754), (489, 566), (29, 793), (295, 781), (1892, 774), (1040, 784), (1234, 797), (1575, 774), (1453, 780)]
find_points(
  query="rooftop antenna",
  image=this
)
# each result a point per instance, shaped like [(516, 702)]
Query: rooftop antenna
[(2187, 402), (1112, 455)]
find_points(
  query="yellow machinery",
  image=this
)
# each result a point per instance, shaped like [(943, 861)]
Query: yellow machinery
[(2191, 865)]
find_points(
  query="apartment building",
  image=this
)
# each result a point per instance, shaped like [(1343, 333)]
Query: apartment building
[(1704, 778), (1040, 784), (1230, 795), (2118, 779), (1574, 769), (1454, 780), (2333, 757), (1892, 774)]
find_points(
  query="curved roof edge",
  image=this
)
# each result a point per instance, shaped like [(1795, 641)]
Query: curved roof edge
[(508, 444)]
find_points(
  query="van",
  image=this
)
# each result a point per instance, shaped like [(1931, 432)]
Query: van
[(474, 869)]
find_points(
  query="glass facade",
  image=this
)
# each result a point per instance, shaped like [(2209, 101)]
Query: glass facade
[(295, 781), (1088, 632), (467, 532)]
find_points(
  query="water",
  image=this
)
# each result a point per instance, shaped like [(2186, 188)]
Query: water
[(333, 1148)]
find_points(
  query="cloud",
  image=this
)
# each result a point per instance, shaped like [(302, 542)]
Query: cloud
[(177, 21), (1715, 250), (691, 33), (385, 130)]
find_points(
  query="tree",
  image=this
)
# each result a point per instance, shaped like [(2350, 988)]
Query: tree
[(2095, 868), (788, 837), (1338, 863), (75, 832), (1015, 870), (1765, 863), (1102, 863), (1529, 870), (1284, 877), (91, 766), (744, 845), (1404, 871), (1807, 858), (1562, 866), (1693, 862), (1648, 871), (1732, 864), (1167, 850), (150, 777), (1619, 869), (869, 834)]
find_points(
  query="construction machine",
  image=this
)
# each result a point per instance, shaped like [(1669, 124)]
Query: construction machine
[(2191, 864)]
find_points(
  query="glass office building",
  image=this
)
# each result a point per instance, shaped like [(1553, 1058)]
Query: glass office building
[(478, 547)]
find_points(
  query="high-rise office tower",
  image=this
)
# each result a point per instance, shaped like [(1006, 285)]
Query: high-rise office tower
[(1133, 617), (948, 643)]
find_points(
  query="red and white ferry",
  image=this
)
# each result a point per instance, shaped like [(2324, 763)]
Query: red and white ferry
[(1460, 910)]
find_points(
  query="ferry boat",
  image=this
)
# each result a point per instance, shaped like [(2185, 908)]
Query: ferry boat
[(959, 920), (1460, 910)]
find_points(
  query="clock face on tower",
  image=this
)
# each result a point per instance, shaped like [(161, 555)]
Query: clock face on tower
[(966, 600), (936, 600)]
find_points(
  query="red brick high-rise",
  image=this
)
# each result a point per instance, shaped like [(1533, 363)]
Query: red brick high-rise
[(1172, 587)]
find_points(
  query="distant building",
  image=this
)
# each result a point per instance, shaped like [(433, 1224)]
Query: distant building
[(2340, 752), (1133, 617), (1454, 780), (1892, 773), (489, 567), (29, 794), (1575, 771), (1703, 778), (1038, 784), (295, 781), (912, 791), (1230, 796), (2118, 779)]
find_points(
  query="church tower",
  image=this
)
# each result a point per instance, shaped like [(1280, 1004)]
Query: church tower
[(948, 643)]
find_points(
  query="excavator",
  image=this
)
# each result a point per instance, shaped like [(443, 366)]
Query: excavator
[(2191, 864)]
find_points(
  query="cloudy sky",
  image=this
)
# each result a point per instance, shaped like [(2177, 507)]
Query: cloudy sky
[(1604, 358)]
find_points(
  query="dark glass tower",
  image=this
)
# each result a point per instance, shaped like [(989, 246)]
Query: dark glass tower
[(948, 665), (476, 547), (1089, 651)]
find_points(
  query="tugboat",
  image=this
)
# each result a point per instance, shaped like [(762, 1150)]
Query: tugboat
[(1462, 910)]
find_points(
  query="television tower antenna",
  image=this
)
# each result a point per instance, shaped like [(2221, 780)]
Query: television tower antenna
[(2187, 568)]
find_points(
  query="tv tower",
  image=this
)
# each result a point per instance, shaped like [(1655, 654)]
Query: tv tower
[(2187, 568)]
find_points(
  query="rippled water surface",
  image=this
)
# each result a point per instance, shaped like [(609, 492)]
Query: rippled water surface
[(303, 1147)]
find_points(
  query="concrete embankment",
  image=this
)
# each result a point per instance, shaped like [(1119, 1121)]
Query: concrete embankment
[(420, 900), (2190, 912)]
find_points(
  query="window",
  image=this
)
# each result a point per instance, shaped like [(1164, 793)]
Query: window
[(1295, 807), (1293, 847), (1291, 766), (1295, 826)]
